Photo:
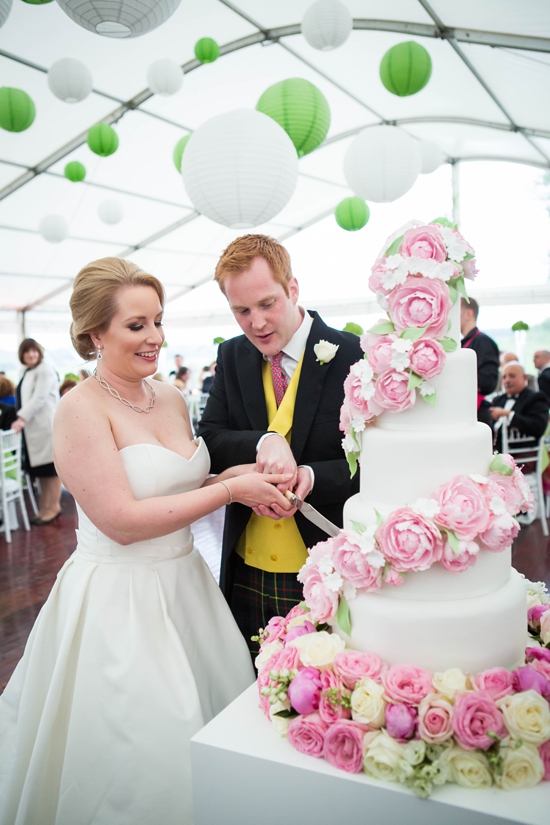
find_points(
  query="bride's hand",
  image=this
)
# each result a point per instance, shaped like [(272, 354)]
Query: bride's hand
[(259, 488)]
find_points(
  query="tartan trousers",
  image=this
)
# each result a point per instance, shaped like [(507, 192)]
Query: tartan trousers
[(256, 596)]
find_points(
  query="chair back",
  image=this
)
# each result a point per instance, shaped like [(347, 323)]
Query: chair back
[(523, 448), (10, 456)]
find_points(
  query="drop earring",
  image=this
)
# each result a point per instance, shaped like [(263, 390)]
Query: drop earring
[(99, 355)]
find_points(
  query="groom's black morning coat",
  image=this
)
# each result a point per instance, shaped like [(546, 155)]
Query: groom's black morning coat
[(236, 417)]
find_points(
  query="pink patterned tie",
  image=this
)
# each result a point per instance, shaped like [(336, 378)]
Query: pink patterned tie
[(280, 382)]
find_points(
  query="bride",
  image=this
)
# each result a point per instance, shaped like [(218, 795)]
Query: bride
[(135, 648)]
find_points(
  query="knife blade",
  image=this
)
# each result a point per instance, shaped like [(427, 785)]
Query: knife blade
[(312, 514)]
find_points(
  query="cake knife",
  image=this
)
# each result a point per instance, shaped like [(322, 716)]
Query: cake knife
[(312, 514)]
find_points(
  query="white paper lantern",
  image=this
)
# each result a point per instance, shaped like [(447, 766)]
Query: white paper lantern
[(53, 228), (70, 80), (110, 211), (240, 168), (119, 18), (382, 163), (431, 156), (165, 77), (327, 24), (5, 8)]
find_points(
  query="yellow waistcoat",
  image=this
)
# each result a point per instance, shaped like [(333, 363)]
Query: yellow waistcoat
[(275, 546)]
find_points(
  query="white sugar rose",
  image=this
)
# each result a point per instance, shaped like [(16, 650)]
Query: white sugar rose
[(521, 767), (367, 703), (280, 724), (297, 621), (383, 757), (318, 649), (325, 351), (527, 716), (448, 682), (266, 652), (468, 768)]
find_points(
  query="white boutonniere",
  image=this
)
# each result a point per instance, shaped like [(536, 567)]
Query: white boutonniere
[(325, 351)]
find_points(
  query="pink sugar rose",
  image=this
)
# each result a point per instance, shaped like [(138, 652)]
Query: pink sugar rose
[(407, 684), (304, 691), (393, 578), (424, 242), (378, 349), (420, 302), (355, 405), (263, 681), (427, 357), (467, 556), (307, 735), (322, 602), (545, 627), (496, 681), (353, 665), (401, 722), (435, 719), (539, 659), (377, 273), (476, 715), (535, 614), (500, 534), (328, 711), (294, 612), (300, 630), (527, 678), (287, 658), (544, 753), (409, 541), (275, 629), (391, 392), (344, 745), (352, 565), (469, 269), (463, 508)]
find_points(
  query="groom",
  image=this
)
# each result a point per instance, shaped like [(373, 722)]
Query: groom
[(275, 403)]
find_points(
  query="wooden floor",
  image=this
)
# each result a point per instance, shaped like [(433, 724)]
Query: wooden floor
[(29, 565)]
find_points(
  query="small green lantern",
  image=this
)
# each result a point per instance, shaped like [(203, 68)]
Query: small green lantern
[(75, 171), (178, 151), (352, 214), (356, 329), (37, 2), (102, 139), (17, 111), (301, 109), (406, 68), (207, 50)]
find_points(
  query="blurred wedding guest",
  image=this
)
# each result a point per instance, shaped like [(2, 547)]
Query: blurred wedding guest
[(487, 356), (7, 416), (541, 360), (37, 399), (525, 410), (158, 376), (208, 381), (182, 377), (7, 391), (68, 384), (178, 362), (84, 374), (508, 358)]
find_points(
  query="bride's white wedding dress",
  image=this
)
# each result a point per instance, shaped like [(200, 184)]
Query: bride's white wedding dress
[(133, 652)]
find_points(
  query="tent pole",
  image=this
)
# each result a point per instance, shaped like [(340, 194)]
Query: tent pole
[(455, 166), (21, 324)]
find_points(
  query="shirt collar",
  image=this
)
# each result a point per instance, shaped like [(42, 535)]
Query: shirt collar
[(469, 334), (297, 343)]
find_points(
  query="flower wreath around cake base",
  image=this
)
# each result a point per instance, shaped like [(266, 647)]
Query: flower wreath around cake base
[(405, 724)]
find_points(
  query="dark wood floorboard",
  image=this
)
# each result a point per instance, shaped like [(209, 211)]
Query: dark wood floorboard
[(29, 565)]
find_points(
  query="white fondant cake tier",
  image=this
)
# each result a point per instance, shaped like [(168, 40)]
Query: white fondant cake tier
[(398, 467), (473, 634)]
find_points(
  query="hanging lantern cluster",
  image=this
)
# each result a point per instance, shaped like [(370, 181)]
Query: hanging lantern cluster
[(327, 24), (102, 140), (406, 68), (17, 110), (70, 80), (382, 163), (352, 214), (164, 77), (119, 18), (301, 109)]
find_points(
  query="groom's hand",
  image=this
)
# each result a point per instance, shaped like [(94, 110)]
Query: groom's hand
[(275, 456)]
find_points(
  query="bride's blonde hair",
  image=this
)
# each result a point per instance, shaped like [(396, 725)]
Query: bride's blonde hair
[(94, 299)]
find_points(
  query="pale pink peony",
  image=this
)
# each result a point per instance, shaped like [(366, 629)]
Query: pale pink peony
[(469, 268), (352, 565), (467, 556), (496, 681), (304, 691), (377, 273), (353, 665), (295, 611), (392, 393), (344, 745), (378, 349), (329, 712), (401, 722), (507, 489), (427, 357), (407, 684), (424, 242), (355, 405), (463, 508), (544, 753), (322, 602), (476, 715), (393, 578), (500, 534), (307, 735), (420, 302), (409, 541), (528, 499), (435, 719)]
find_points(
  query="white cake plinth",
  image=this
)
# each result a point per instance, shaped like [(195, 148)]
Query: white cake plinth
[(244, 774)]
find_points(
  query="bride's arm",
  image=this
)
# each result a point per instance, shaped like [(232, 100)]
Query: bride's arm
[(89, 465), (231, 472)]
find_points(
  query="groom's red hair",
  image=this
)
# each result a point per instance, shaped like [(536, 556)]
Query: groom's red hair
[(240, 253)]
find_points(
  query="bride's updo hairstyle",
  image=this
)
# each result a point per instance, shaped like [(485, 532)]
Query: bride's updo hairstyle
[(94, 299)]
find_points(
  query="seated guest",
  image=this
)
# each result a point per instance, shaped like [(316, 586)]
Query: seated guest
[(7, 416), (487, 356), (525, 410), (68, 384), (182, 377), (7, 391), (541, 360), (209, 380)]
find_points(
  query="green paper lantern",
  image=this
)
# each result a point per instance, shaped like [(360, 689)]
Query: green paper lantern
[(17, 111), (406, 68), (37, 2), (356, 329), (178, 151), (301, 109), (75, 171), (102, 139), (352, 214), (207, 50)]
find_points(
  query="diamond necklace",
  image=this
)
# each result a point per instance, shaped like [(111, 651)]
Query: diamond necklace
[(126, 403)]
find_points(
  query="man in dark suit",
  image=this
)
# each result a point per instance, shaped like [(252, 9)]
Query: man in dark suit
[(525, 410), (487, 356), (274, 402), (541, 360)]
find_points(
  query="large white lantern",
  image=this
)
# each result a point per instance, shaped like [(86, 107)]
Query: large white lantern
[(70, 80), (327, 24), (5, 8), (431, 156), (165, 77), (53, 228), (382, 164), (119, 18), (110, 211), (240, 168)]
